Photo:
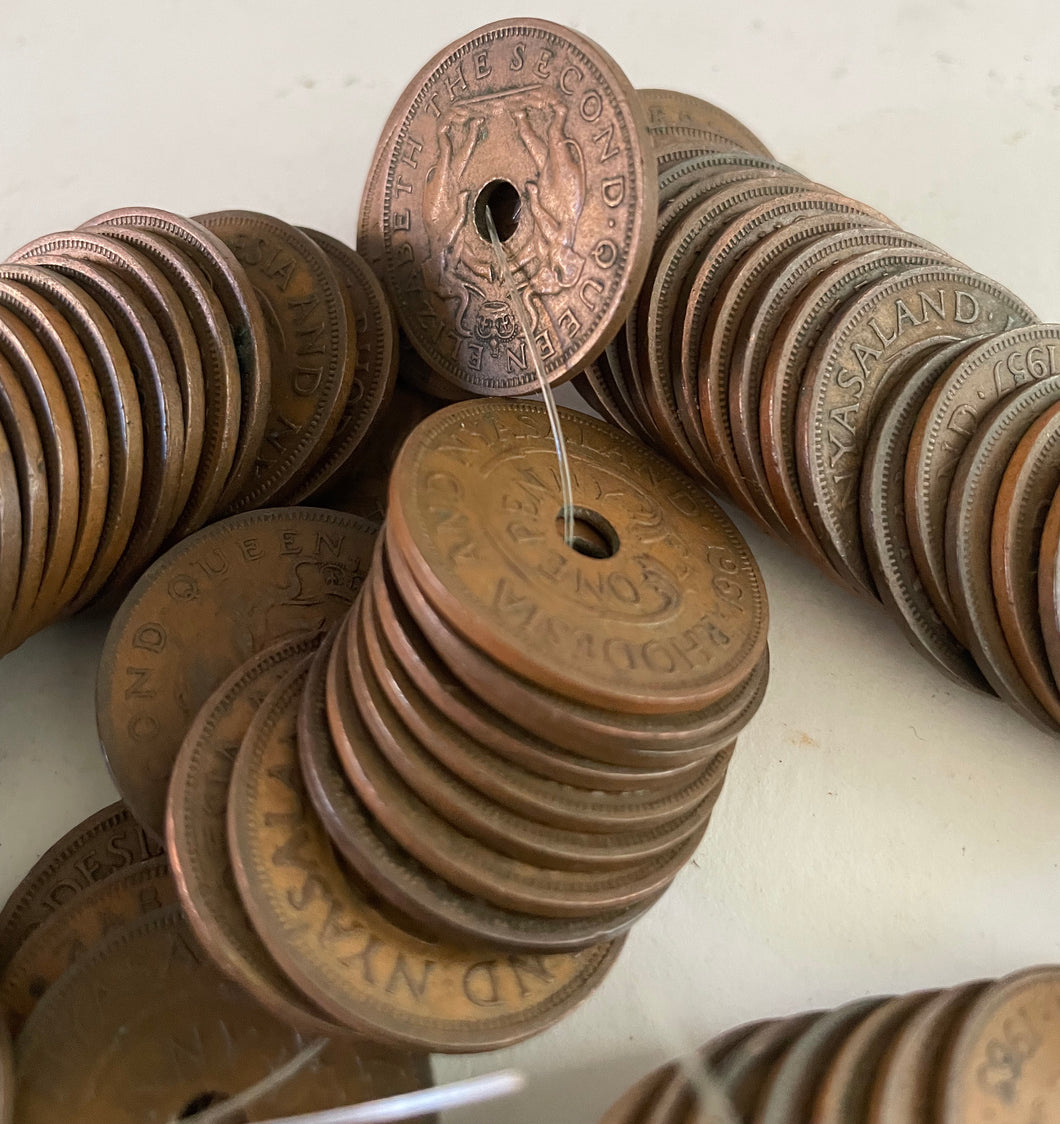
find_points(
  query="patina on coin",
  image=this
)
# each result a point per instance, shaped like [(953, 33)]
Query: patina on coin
[(1003, 1066), (670, 618), (670, 107), (108, 841), (7, 1077), (342, 953), (10, 534), (144, 1030), (201, 611), (537, 125)]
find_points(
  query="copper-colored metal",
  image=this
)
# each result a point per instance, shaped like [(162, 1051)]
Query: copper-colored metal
[(669, 107), (200, 612), (10, 533), (7, 1077), (745, 1068)]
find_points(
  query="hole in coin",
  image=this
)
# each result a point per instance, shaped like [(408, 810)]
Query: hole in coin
[(502, 201), (204, 1101), (593, 534)]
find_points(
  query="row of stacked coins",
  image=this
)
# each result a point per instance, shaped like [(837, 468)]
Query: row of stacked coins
[(157, 372), (978, 1052)]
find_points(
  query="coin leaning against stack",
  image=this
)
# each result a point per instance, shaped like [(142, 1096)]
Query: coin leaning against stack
[(157, 372), (981, 1052)]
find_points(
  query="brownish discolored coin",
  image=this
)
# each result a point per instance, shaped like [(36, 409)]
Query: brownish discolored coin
[(1049, 586), (196, 837), (246, 323), (630, 1107), (10, 534), (312, 364), (108, 841), (181, 1038), (370, 974), (60, 941), (7, 1077), (947, 420), (537, 125), (670, 107), (1003, 1064), (624, 630), (398, 878), (246, 582)]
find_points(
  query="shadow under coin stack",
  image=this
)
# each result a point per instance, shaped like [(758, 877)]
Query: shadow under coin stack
[(980, 1053)]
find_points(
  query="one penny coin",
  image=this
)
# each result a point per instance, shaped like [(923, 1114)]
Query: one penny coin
[(246, 582), (669, 107), (537, 126)]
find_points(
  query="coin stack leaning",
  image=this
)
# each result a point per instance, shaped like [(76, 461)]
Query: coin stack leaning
[(157, 372), (94, 950), (977, 1053)]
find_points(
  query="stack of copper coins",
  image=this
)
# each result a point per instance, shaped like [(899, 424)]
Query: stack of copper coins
[(157, 372), (983, 1051), (95, 951)]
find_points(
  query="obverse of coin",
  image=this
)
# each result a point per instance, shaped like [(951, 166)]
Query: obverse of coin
[(642, 644), (312, 364), (57, 943), (246, 583), (368, 973), (1003, 1066), (106, 842), (188, 1039), (196, 834), (10, 534), (669, 107), (7, 1077), (538, 125)]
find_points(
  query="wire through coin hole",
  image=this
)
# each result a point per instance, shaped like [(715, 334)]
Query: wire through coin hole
[(204, 1101), (593, 536), (504, 204)]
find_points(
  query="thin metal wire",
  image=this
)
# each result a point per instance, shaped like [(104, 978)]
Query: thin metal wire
[(566, 488)]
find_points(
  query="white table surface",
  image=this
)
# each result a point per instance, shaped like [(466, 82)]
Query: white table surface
[(881, 829)]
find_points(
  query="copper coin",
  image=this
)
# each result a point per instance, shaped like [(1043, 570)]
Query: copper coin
[(881, 503), (846, 1089), (494, 729), (342, 953), (246, 323), (630, 1107), (125, 429), (969, 524), (642, 741), (7, 1076), (479, 816), (539, 798), (60, 941), (669, 107), (538, 125), (27, 452), (376, 371), (403, 882), (188, 1039), (72, 365), (594, 386), (785, 366), (244, 583), (852, 364), (10, 534), (961, 398), (160, 406), (1023, 500), (196, 836), (1003, 1065), (615, 631), (160, 298), (108, 841), (220, 367)]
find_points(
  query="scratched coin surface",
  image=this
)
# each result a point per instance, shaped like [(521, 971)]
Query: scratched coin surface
[(344, 954), (538, 126), (144, 1030), (668, 616), (670, 107), (201, 611), (107, 841), (1003, 1067)]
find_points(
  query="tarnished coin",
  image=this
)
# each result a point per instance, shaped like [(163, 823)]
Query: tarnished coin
[(246, 323), (1049, 586), (108, 841), (853, 363), (743, 1071), (312, 363), (367, 972), (10, 534), (244, 583), (196, 833), (630, 1107), (669, 616), (538, 126), (60, 941), (7, 1077), (947, 420), (1003, 1066), (670, 107), (145, 1029)]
